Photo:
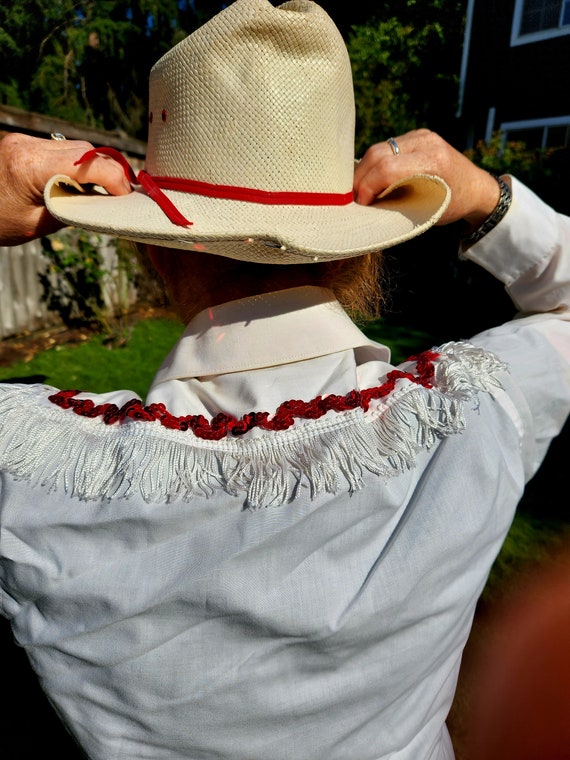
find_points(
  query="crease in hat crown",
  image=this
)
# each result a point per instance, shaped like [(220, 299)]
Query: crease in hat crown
[(260, 97)]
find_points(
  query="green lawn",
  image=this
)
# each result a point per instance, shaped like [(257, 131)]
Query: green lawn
[(98, 367)]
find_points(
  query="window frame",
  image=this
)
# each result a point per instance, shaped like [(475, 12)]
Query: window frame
[(544, 34), (508, 129)]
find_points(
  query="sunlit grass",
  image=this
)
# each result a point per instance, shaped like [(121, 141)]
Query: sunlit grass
[(98, 367)]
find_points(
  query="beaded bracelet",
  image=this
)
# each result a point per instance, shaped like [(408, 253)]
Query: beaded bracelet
[(493, 220)]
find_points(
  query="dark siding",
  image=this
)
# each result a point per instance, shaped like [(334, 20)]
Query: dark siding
[(530, 81)]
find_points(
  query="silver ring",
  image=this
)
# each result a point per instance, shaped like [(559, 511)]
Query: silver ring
[(57, 136), (394, 145)]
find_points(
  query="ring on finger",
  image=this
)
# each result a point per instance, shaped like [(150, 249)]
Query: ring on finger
[(57, 136), (394, 145)]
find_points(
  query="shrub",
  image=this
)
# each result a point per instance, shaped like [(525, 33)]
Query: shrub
[(544, 170), (511, 157), (72, 280), (89, 280)]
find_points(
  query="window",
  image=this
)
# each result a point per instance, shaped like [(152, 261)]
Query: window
[(538, 133), (536, 20)]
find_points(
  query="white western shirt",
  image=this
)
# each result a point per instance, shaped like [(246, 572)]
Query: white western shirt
[(294, 594)]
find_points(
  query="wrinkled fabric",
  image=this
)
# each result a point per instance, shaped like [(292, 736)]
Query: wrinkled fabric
[(175, 617)]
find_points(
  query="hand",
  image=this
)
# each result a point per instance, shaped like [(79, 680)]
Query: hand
[(474, 192), (26, 164)]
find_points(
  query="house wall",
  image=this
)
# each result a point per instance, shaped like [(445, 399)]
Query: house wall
[(522, 82)]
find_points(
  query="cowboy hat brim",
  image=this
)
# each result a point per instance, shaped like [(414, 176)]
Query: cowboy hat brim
[(277, 234)]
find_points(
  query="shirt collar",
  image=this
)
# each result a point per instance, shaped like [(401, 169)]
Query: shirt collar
[(264, 331)]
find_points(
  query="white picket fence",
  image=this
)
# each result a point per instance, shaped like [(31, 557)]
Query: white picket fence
[(21, 305)]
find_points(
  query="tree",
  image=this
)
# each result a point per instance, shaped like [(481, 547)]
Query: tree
[(22, 27), (88, 61), (405, 68)]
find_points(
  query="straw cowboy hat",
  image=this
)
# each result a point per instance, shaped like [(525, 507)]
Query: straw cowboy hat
[(251, 149)]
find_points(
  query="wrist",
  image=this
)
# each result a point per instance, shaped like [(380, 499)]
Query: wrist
[(482, 221)]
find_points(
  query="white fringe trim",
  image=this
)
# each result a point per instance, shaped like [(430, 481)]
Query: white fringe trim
[(87, 459)]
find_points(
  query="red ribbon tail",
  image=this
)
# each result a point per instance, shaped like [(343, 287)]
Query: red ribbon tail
[(114, 154), (144, 179), (154, 192)]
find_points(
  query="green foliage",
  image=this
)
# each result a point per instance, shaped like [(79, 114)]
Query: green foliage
[(45, 52), (9, 94), (378, 70), (86, 290), (544, 170), (511, 157), (405, 68), (72, 282), (53, 83), (403, 342), (528, 541)]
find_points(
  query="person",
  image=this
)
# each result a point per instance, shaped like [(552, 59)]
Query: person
[(519, 676), (279, 553), (27, 163)]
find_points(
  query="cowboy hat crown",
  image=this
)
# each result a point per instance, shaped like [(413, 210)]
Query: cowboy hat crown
[(251, 148)]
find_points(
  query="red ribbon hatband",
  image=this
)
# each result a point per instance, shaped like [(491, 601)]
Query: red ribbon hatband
[(153, 186)]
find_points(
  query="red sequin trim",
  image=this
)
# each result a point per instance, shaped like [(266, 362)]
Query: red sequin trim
[(223, 425)]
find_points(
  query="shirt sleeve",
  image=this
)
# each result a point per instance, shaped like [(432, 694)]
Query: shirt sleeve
[(529, 251)]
